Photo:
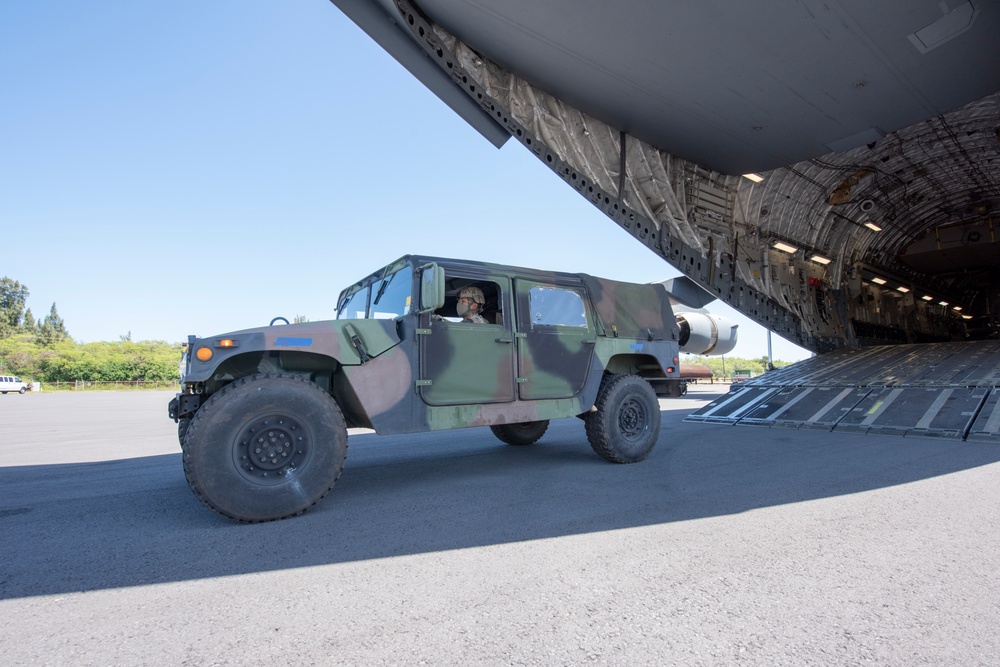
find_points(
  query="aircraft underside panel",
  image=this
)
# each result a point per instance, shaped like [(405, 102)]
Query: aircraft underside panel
[(813, 251), (673, 207), (935, 390)]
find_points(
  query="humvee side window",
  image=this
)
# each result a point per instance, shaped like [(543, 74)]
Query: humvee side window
[(556, 306), (492, 308)]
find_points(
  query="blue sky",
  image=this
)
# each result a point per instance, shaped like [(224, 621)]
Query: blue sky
[(198, 167)]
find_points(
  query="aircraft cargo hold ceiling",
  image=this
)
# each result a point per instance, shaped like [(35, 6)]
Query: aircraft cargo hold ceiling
[(871, 132)]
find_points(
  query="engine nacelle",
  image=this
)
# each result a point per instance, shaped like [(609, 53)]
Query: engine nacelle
[(704, 333)]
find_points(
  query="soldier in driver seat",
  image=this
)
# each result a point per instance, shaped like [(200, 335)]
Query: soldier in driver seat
[(470, 302), (469, 306)]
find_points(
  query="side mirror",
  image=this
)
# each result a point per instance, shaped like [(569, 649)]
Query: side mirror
[(431, 287)]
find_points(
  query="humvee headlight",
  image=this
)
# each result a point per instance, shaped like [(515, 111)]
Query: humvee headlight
[(203, 353)]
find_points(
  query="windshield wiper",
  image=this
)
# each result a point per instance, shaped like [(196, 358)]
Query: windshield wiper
[(381, 288)]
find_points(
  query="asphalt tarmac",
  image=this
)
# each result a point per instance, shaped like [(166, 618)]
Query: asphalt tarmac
[(729, 545)]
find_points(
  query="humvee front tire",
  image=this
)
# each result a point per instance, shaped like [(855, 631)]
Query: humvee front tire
[(182, 426), (526, 433), (265, 447), (626, 423)]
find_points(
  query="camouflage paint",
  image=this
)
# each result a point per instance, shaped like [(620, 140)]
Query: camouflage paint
[(465, 364), (632, 310), (553, 361), (416, 373)]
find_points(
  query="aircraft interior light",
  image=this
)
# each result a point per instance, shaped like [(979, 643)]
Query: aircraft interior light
[(927, 297), (820, 259), (879, 281), (784, 247), (756, 178), (872, 226), (956, 308), (902, 289), (942, 303)]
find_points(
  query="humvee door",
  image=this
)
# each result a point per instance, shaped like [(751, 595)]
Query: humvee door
[(555, 335), (464, 363)]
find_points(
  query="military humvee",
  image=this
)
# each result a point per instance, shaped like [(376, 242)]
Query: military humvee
[(263, 413)]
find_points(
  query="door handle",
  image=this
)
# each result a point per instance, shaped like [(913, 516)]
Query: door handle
[(505, 340)]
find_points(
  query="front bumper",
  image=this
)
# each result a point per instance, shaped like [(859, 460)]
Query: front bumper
[(183, 406)]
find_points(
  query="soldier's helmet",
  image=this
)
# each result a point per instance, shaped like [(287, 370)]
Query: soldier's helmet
[(473, 293)]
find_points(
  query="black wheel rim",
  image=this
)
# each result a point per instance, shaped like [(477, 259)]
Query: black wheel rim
[(632, 419), (271, 449)]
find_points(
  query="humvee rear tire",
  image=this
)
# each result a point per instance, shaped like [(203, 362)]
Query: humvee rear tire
[(265, 447), (526, 433), (626, 424)]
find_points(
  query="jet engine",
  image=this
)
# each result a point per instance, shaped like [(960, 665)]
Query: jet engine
[(704, 333)]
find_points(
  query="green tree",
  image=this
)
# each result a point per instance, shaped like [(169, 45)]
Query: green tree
[(299, 319), (13, 296), (725, 366), (29, 320), (53, 329)]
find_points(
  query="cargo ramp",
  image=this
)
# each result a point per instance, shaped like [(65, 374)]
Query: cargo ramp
[(933, 390)]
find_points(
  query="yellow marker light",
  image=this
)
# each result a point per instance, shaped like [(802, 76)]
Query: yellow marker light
[(203, 353), (226, 342)]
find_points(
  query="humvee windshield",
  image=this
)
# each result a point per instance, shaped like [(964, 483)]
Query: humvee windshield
[(383, 298)]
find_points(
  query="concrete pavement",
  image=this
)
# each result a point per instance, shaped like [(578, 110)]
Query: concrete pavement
[(729, 545)]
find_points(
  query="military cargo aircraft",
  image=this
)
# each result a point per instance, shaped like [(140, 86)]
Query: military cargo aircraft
[(830, 169)]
